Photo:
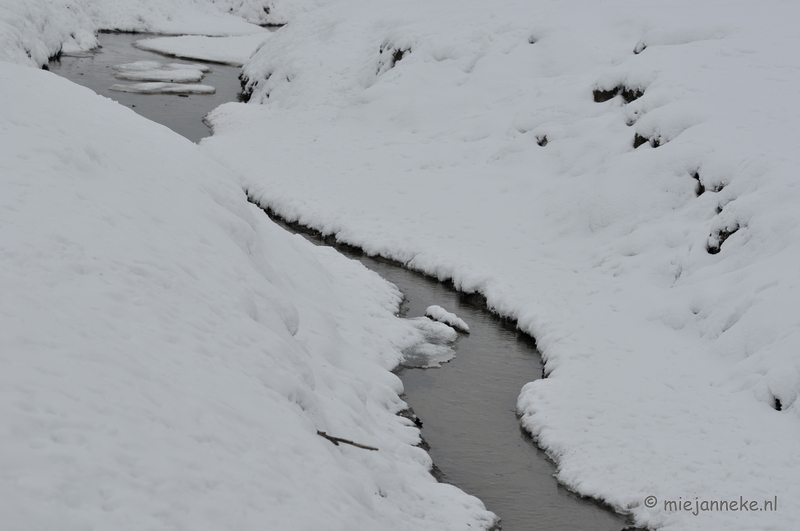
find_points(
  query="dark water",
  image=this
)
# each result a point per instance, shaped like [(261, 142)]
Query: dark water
[(468, 406), (183, 115), (468, 410)]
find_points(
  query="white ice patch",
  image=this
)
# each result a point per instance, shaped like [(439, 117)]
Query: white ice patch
[(227, 50), (437, 313), (167, 76), (434, 349), (164, 88), (141, 66)]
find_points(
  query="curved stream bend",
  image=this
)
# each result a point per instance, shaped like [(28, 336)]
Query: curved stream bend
[(468, 406)]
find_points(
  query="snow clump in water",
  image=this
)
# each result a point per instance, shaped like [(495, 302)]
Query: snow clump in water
[(437, 313)]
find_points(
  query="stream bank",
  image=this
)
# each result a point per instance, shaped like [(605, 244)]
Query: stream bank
[(468, 406)]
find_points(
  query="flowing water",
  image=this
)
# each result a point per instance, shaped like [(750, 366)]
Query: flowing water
[(467, 406), (184, 115)]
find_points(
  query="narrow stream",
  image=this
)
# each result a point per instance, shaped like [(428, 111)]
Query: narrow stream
[(184, 115), (468, 406), (468, 409)]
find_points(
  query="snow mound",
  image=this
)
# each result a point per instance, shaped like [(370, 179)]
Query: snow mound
[(164, 88), (437, 313)]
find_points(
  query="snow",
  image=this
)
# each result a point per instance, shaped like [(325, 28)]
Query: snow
[(169, 354), (669, 321), (227, 50), (164, 88), (462, 139), (437, 313)]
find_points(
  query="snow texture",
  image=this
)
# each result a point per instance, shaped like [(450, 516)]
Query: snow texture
[(621, 177), (437, 313), (169, 354)]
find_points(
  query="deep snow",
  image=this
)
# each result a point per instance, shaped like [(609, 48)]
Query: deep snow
[(621, 177), (490, 143), (169, 354)]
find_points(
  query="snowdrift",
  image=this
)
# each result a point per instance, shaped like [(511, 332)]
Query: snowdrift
[(169, 354)]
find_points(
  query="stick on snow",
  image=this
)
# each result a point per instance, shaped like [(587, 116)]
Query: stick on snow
[(337, 440)]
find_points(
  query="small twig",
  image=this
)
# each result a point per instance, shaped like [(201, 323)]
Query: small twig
[(337, 440)]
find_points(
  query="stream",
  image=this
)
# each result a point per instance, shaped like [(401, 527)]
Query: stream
[(468, 405)]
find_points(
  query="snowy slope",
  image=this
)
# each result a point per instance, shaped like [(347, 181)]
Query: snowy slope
[(169, 354), (649, 241)]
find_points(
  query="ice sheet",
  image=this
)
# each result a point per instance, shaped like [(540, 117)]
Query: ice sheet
[(164, 88)]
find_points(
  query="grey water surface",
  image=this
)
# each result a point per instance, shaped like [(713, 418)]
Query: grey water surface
[(468, 410), (467, 406), (184, 115)]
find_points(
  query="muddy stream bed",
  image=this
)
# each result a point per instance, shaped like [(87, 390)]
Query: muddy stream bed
[(468, 405)]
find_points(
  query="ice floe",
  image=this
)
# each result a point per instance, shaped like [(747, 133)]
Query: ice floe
[(167, 76), (164, 88), (140, 66)]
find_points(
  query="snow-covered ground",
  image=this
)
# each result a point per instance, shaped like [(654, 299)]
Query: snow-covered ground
[(169, 355), (620, 176), (648, 240)]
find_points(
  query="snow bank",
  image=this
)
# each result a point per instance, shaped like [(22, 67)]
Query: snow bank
[(437, 313), (169, 354), (621, 177)]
